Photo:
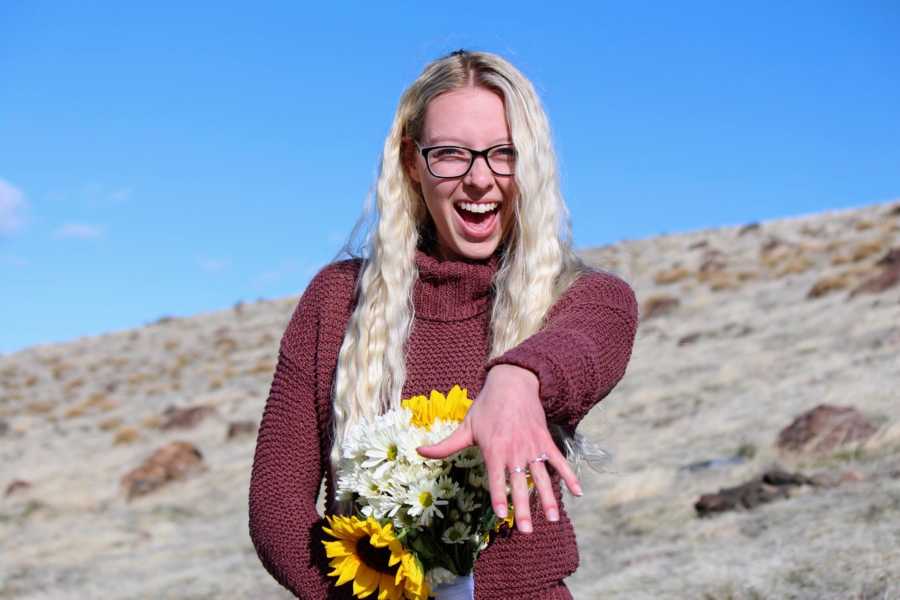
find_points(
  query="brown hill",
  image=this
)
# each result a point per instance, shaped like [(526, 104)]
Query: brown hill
[(742, 330)]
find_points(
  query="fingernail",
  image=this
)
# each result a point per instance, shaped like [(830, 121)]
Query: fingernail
[(578, 491), (525, 526), (553, 515), (501, 511)]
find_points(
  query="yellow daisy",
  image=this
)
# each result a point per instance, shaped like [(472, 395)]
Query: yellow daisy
[(452, 407), (370, 555)]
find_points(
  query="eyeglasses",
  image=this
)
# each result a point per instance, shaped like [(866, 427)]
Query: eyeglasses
[(447, 162)]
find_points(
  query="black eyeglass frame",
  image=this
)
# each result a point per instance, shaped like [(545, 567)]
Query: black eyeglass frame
[(474, 154)]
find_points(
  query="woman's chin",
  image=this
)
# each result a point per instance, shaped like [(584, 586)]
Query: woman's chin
[(473, 250)]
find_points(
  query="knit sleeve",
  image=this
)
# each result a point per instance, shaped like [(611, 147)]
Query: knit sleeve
[(583, 349), (287, 466)]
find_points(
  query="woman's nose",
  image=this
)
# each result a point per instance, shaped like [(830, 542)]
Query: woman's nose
[(480, 175)]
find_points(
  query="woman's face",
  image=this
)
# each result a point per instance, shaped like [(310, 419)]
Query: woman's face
[(473, 117)]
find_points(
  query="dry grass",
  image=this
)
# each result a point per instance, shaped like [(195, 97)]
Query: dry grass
[(759, 355), (673, 275), (152, 422), (261, 368), (40, 407), (793, 265), (109, 424), (126, 435), (830, 283)]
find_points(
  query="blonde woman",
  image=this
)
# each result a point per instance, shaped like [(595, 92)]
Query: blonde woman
[(469, 278)]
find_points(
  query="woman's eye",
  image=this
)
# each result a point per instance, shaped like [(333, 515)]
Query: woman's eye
[(449, 153), (506, 151)]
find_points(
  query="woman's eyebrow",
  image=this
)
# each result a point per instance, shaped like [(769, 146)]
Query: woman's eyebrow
[(452, 141)]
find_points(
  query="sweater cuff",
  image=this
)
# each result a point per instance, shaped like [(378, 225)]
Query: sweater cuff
[(549, 374)]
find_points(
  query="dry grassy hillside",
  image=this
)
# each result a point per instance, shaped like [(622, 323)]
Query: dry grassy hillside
[(742, 330)]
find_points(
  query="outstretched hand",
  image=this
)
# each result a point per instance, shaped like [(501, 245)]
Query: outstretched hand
[(508, 423)]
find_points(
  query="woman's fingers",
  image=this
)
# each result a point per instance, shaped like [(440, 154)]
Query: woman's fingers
[(458, 440), (545, 490), (518, 481), (496, 474), (564, 469)]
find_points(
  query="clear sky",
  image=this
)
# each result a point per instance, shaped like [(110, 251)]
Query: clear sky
[(172, 158)]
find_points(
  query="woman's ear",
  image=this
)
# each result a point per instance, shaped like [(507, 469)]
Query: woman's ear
[(408, 159)]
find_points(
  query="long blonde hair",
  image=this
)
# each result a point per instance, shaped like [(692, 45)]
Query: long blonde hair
[(537, 250)]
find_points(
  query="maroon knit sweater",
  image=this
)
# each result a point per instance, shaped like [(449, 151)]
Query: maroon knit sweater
[(579, 356)]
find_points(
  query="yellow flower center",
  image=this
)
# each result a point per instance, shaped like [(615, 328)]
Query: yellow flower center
[(425, 499), (392, 452)]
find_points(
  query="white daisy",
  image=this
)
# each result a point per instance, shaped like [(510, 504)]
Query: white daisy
[(468, 457), (366, 485), (347, 484), (447, 488), (477, 479), (423, 501), (466, 502), (456, 533)]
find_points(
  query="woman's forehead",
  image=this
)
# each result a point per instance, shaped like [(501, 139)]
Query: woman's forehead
[(470, 115)]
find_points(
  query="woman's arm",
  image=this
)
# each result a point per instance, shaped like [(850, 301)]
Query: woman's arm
[(583, 349), (556, 375), (287, 467)]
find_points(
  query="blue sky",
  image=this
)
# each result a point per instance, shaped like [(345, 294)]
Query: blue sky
[(173, 158)]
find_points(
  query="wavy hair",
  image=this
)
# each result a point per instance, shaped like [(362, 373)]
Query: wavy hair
[(536, 253)]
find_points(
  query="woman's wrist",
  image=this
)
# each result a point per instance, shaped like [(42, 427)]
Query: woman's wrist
[(516, 376)]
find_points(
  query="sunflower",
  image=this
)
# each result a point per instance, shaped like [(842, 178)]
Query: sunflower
[(452, 407), (370, 555)]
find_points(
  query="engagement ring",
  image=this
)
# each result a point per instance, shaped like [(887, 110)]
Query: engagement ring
[(543, 457)]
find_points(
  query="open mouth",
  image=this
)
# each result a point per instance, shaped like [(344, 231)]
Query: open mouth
[(478, 218)]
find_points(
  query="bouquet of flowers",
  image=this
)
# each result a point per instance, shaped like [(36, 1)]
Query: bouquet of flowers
[(416, 524)]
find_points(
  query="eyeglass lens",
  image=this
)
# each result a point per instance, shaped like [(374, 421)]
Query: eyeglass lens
[(451, 161)]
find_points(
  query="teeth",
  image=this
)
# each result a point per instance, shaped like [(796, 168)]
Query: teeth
[(478, 208)]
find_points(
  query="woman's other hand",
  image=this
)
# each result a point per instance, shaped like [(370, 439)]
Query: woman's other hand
[(507, 422)]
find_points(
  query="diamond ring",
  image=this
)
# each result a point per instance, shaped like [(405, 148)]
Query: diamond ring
[(519, 469), (543, 457)]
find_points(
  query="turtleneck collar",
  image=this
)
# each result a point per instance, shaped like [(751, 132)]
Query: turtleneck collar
[(453, 289)]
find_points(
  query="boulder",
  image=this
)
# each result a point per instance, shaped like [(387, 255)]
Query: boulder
[(772, 485), (176, 460), (15, 486), (658, 305), (825, 428), (240, 428), (184, 418), (885, 279)]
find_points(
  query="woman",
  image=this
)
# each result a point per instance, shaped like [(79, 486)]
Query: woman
[(470, 279)]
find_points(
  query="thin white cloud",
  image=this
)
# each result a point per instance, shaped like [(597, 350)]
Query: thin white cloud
[(281, 272), (291, 273), (121, 194), (81, 231), (14, 261), (12, 208), (97, 195), (213, 265)]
